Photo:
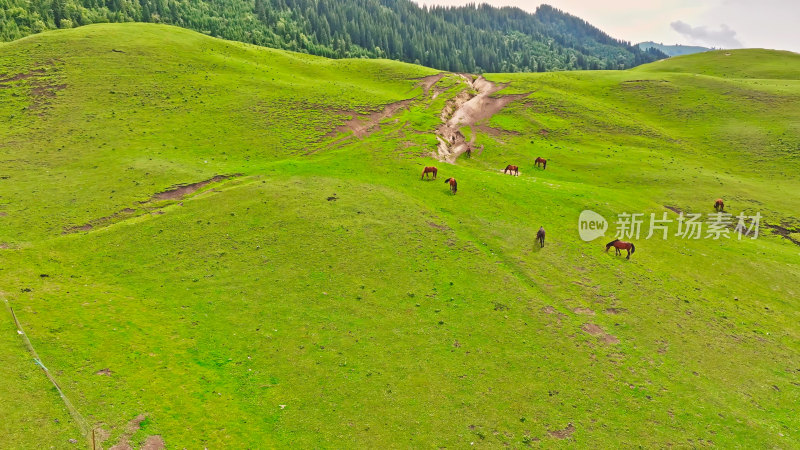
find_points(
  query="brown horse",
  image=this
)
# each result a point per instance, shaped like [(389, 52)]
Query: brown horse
[(619, 245), (514, 170), (541, 161), (540, 236), (719, 205), (453, 185), (428, 170)]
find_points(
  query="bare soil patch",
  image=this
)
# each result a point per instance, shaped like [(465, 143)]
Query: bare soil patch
[(132, 427), (674, 209), (599, 333), (179, 191), (646, 81), (362, 125), (22, 76), (585, 311), (609, 339), (154, 442), (426, 83), (75, 229), (100, 221), (552, 311), (615, 310), (562, 434), (481, 107), (439, 227), (783, 232), (43, 87), (549, 310), (592, 329)]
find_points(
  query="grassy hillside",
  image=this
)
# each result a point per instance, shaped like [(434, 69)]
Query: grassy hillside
[(746, 63), (321, 295)]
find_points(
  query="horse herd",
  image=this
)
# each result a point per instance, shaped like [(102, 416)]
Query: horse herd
[(513, 170), (618, 245)]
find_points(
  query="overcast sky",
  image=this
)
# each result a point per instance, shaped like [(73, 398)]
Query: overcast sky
[(711, 23)]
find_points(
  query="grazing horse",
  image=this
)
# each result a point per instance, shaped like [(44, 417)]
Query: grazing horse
[(540, 236), (428, 170), (719, 205), (514, 170), (453, 185), (619, 245), (541, 161)]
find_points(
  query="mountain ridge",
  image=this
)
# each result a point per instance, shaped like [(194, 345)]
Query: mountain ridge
[(471, 38), (673, 50)]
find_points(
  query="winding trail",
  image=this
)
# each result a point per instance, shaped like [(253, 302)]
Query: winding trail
[(467, 109)]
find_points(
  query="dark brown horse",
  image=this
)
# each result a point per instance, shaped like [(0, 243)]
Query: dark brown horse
[(428, 170), (514, 170), (619, 245), (719, 205), (541, 161), (540, 236), (453, 185)]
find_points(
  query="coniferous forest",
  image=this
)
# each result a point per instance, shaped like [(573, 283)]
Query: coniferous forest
[(472, 38)]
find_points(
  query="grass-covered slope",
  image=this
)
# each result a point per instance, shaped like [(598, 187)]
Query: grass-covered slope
[(745, 63), (324, 296)]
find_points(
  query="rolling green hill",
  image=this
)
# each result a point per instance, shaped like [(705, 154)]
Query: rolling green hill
[(741, 64), (213, 244)]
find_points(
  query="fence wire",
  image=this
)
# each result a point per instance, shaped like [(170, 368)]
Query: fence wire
[(83, 425)]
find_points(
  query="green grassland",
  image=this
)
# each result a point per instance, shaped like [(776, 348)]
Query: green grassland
[(324, 296)]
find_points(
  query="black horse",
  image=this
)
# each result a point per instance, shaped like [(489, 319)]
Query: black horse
[(540, 237)]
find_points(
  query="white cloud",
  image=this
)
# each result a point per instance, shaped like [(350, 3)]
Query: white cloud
[(724, 37)]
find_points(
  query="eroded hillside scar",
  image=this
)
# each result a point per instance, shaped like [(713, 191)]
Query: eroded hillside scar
[(176, 192), (471, 106), (362, 125), (426, 83), (179, 191), (468, 109)]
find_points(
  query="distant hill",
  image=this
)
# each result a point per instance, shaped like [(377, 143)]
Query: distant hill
[(673, 50), (740, 63), (463, 39)]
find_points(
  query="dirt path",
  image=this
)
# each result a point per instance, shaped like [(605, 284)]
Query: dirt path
[(468, 109)]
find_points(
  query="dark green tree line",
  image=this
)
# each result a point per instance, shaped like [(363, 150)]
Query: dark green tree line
[(472, 38)]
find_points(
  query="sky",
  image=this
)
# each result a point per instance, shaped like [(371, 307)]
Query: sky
[(771, 24)]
